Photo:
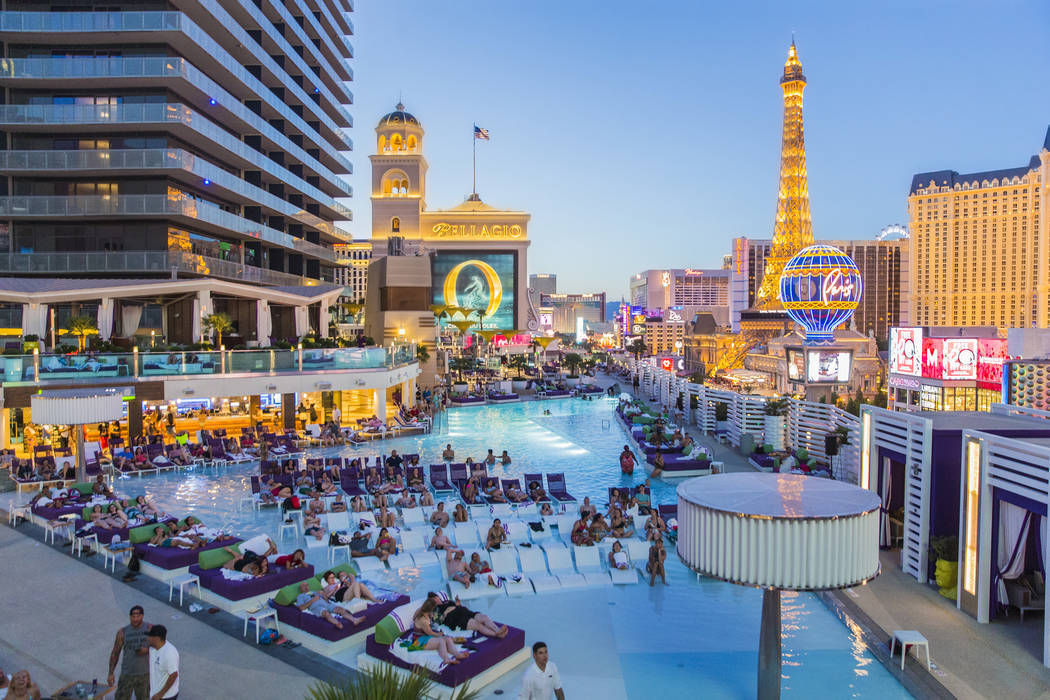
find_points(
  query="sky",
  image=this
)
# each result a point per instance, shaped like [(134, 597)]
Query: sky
[(647, 135)]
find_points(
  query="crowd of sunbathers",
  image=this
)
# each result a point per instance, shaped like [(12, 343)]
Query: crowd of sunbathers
[(436, 610)]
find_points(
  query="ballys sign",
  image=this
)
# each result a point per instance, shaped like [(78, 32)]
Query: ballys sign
[(473, 231)]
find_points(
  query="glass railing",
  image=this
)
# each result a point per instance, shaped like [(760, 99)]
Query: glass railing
[(138, 261), (87, 21), (168, 113), (63, 67), (177, 204), (157, 158), (88, 367)]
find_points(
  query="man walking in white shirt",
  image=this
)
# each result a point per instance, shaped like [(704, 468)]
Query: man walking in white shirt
[(541, 680), (163, 665)]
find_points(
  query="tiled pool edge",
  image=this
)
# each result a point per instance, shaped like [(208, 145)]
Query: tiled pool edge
[(311, 663), (915, 678)]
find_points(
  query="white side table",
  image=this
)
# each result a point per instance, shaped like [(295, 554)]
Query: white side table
[(51, 526), (910, 638), (79, 540), (332, 549), (23, 511), (259, 616), (110, 557), (718, 467), (183, 581)]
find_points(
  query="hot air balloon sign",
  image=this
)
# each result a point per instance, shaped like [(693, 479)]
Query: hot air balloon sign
[(820, 289)]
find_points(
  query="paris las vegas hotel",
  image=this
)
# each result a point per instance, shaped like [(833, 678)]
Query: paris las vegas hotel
[(472, 255)]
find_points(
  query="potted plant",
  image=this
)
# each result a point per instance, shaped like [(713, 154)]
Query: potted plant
[(30, 343), (945, 552), (573, 361), (721, 416), (776, 418), (219, 323), (518, 363)]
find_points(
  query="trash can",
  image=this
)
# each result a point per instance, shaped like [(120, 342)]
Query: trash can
[(747, 444)]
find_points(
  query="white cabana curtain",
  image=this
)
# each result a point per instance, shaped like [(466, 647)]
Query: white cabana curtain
[(105, 319), (130, 315), (197, 320), (1013, 534), (263, 322), (322, 320), (302, 321), (886, 539), (34, 319)]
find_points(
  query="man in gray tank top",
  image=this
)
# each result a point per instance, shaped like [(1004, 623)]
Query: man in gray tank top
[(134, 668)]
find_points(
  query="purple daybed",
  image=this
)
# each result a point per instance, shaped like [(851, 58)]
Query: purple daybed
[(175, 557), (214, 581), (319, 627)]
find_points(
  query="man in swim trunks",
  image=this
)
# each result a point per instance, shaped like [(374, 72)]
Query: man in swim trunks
[(315, 604), (457, 617), (449, 454), (439, 517), (457, 568)]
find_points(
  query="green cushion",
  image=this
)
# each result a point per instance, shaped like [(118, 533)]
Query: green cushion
[(83, 487), (688, 451), (387, 631), (142, 533), (802, 453), (213, 558), (767, 448), (288, 594), (85, 513), (348, 567)]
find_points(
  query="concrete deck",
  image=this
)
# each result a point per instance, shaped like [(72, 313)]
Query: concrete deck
[(58, 619)]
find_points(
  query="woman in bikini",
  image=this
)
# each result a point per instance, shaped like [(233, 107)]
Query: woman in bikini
[(423, 637), (618, 557), (618, 525), (385, 518), (358, 505), (344, 588), (581, 536), (385, 544), (496, 535)]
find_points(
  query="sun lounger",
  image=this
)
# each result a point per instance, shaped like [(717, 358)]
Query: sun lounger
[(559, 559), (428, 558), (369, 564), (465, 534), (401, 561), (517, 531), (556, 489), (505, 564), (412, 516), (480, 588), (589, 564), (538, 478), (501, 510), (534, 565), (439, 479), (412, 541)]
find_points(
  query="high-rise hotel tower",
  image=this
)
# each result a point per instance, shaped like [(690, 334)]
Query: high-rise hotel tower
[(980, 246)]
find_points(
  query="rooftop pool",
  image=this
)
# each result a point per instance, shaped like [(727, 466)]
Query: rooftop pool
[(689, 638)]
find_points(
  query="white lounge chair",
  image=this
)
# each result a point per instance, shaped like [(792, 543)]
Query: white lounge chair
[(565, 523), (401, 561), (479, 510), (628, 575), (412, 541), (517, 531), (539, 535), (590, 566), (428, 558), (637, 550), (501, 510), (528, 512), (534, 565), (313, 435), (480, 588), (505, 563), (559, 559), (465, 534), (412, 516), (369, 564)]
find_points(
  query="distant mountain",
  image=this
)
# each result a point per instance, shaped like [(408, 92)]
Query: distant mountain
[(611, 307)]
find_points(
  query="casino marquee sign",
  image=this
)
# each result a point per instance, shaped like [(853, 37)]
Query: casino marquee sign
[(448, 231)]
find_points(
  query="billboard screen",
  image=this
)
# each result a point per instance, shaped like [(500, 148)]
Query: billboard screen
[(828, 366), (959, 358), (905, 350), (932, 357), (991, 353), (667, 363), (476, 280), (796, 366)]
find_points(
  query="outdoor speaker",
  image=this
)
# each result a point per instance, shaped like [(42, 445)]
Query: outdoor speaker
[(831, 445)]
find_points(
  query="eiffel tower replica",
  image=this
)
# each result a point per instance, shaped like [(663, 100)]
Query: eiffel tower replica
[(792, 231)]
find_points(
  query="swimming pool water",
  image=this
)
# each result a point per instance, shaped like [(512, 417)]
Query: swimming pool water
[(687, 639)]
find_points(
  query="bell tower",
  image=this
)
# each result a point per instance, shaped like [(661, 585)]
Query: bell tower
[(398, 182)]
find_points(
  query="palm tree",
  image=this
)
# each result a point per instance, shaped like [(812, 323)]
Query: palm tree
[(638, 348), (518, 362), (422, 354), (81, 327), (383, 682), (573, 362), (219, 323)]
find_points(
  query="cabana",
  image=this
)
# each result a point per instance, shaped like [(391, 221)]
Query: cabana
[(77, 408)]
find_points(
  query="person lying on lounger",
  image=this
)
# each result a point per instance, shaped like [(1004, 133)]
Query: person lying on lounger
[(315, 604), (358, 505), (455, 616), (339, 505), (515, 494), (470, 493), (492, 492), (459, 513), (427, 499), (312, 526), (385, 518), (618, 557), (162, 537), (344, 588), (248, 563), (478, 566), (423, 637), (149, 509), (415, 481), (295, 560), (439, 517), (496, 535), (536, 491), (315, 505), (440, 540)]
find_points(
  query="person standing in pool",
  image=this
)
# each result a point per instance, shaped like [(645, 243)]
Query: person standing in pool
[(627, 461)]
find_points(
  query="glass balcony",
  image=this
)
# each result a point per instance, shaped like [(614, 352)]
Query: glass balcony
[(103, 367), (144, 261), (62, 67), (158, 159), (168, 113), (176, 203)]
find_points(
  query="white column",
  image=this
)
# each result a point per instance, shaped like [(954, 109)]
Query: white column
[(380, 401), (322, 319)]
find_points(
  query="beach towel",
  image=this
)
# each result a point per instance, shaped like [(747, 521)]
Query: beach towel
[(231, 575), (257, 544)]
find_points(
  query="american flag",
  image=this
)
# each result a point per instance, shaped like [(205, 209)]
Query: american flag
[(480, 133)]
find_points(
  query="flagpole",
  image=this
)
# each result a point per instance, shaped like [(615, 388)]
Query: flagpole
[(474, 143)]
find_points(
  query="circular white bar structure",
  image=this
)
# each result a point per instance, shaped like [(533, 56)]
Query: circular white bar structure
[(782, 531)]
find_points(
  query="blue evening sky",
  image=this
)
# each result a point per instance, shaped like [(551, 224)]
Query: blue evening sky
[(647, 135)]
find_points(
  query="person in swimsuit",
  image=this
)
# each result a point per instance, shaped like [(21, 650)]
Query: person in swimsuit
[(455, 616), (339, 505), (627, 461), (658, 465), (655, 526), (504, 459), (315, 604), (536, 491), (478, 566), (439, 517), (459, 514), (448, 454), (581, 535), (344, 590), (440, 540), (427, 499), (358, 505), (598, 529), (385, 544), (655, 566), (618, 525), (457, 568), (312, 526), (496, 535), (618, 557), (423, 637), (587, 509), (385, 518), (295, 560)]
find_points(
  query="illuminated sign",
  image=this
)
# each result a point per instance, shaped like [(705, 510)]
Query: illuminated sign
[(796, 362), (828, 366), (667, 363), (674, 316), (905, 349), (897, 381), (991, 353), (820, 289), (546, 319), (665, 279), (691, 272), (469, 231), (476, 281), (959, 358), (740, 253), (638, 329), (932, 357)]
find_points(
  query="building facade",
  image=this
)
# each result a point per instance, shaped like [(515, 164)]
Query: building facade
[(352, 272), (565, 313), (883, 265), (981, 246), (664, 337), (945, 368), (149, 141), (687, 291)]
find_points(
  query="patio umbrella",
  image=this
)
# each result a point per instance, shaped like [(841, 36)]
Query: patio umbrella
[(625, 396), (488, 335), (438, 309), (463, 326)]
